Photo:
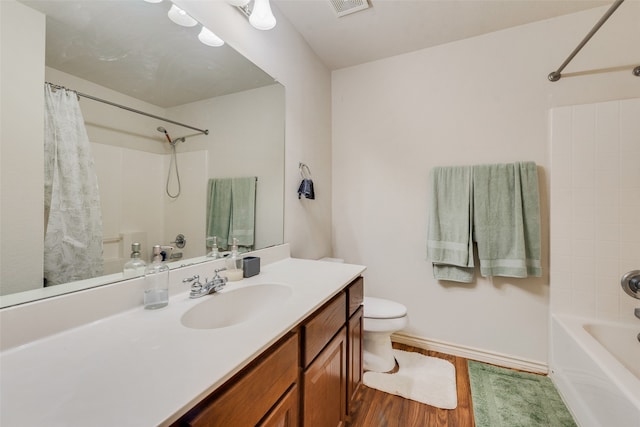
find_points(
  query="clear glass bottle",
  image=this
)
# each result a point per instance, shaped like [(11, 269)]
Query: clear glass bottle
[(135, 267), (212, 242), (234, 270), (156, 281)]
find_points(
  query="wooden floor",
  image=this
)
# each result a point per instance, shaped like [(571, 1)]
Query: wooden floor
[(378, 409)]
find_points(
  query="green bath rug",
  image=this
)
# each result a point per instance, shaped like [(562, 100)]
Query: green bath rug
[(507, 398)]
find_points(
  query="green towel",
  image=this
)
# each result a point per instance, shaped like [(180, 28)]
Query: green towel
[(506, 219), (449, 244), (243, 210), (231, 211)]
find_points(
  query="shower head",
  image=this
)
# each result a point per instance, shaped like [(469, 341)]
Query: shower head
[(163, 130)]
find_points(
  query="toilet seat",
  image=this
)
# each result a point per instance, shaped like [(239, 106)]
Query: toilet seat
[(379, 308)]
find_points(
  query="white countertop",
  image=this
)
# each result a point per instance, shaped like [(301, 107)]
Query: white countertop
[(143, 367)]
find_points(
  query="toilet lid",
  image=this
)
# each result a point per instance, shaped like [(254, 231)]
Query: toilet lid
[(378, 308)]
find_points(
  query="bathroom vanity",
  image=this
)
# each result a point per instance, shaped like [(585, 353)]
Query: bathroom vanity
[(322, 357), (294, 360)]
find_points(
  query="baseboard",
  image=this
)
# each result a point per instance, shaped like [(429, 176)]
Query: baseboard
[(493, 358)]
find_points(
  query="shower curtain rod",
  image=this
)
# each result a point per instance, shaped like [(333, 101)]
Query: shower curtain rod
[(554, 76), (133, 110)]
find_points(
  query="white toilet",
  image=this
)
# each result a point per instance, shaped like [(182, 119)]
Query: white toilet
[(381, 318)]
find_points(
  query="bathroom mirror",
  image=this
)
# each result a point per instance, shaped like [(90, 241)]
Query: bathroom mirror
[(130, 53)]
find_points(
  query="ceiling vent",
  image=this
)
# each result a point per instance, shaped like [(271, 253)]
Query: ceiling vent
[(345, 7)]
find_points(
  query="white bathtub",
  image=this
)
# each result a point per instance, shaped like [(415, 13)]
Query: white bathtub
[(596, 367)]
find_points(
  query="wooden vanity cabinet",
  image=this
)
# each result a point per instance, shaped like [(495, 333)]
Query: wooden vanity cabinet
[(248, 398), (332, 359), (308, 378), (355, 323), (324, 356)]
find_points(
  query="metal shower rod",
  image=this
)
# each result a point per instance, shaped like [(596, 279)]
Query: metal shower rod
[(133, 110), (554, 76)]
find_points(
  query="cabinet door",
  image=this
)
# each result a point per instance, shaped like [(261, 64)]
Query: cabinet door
[(354, 356), (285, 414), (252, 393), (325, 383)]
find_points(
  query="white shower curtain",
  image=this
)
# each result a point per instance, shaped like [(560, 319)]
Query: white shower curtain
[(73, 218)]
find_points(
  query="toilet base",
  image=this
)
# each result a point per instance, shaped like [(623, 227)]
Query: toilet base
[(377, 352)]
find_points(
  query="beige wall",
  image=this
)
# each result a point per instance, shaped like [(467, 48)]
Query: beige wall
[(284, 54), (480, 100), (21, 154)]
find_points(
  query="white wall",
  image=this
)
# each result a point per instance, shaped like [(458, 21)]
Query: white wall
[(284, 54), (480, 100), (21, 226), (595, 195), (247, 127)]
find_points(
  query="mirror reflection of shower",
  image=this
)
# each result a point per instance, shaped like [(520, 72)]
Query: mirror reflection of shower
[(173, 164)]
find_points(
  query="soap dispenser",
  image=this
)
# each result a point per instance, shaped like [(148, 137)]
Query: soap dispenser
[(212, 242), (156, 281), (135, 267), (234, 263)]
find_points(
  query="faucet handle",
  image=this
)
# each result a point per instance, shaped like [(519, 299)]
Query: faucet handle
[(195, 283)]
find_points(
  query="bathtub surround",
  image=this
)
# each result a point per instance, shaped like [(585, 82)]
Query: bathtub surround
[(425, 379), (505, 398), (595, 196)]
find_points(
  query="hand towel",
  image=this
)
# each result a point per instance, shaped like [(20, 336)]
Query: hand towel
[(219, 210), (243, 210), (449, 242), (231, 207), (506, 219)]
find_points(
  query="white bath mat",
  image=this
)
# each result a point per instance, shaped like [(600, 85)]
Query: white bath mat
[(421, 378)]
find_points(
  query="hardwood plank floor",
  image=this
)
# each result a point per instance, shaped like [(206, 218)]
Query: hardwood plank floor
[(375, 408)]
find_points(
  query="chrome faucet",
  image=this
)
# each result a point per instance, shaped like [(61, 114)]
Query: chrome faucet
[(199, 290)]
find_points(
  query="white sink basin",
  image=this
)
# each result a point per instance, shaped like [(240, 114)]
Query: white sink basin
[(232, 307)]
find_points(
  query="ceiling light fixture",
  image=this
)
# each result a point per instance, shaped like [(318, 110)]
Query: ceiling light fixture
[(258, 11), (261, 16), (181, 17), (207, 37)]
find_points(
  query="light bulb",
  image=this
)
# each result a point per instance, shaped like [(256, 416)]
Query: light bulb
[(181, 17), (207, 37), (153, 1), (261, 16)]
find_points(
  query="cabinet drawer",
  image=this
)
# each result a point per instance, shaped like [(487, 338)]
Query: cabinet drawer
[(254, 392), (355, 295), (319, 330)]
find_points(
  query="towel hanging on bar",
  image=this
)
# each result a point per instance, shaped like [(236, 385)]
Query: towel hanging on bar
[(496, 206)]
